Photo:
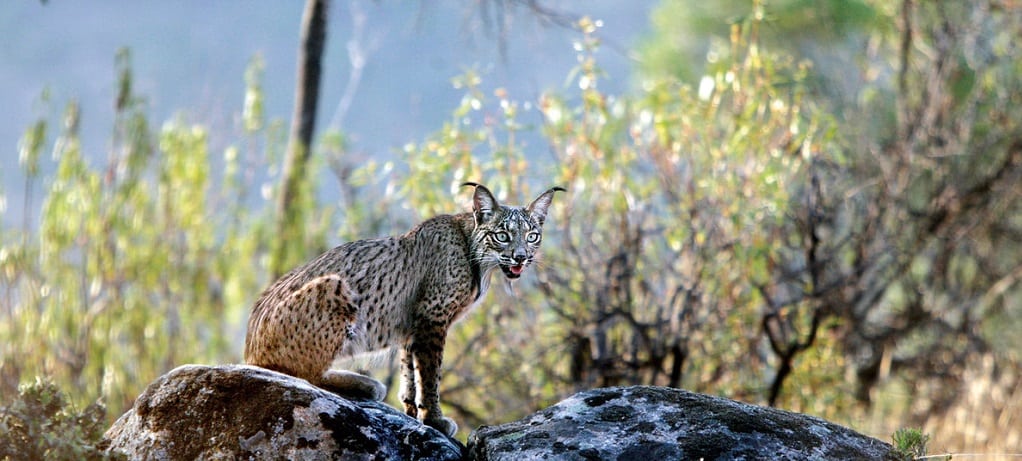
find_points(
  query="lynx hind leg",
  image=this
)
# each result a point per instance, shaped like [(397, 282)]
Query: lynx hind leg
[(309, 329), (292, 333), (332, 295), (351, 384)]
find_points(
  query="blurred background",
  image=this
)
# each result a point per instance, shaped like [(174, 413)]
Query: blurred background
[(812, 205)]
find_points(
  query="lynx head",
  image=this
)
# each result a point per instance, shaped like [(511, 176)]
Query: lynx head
[(507, 236)]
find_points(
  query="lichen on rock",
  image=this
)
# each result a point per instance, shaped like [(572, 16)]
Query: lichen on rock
[(653, 423), (246, 412)]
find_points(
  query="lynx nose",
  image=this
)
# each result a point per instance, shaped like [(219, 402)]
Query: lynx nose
[(519, 255)]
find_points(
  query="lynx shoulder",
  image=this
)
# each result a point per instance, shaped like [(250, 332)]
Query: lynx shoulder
[(404, 291)]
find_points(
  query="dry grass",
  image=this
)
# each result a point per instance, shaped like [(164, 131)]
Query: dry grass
[(984, 423)]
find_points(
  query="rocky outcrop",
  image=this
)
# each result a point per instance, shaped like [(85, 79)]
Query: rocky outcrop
[(244, 412), (655, 423)]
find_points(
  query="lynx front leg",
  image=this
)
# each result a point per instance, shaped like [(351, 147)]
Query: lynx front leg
[(408, 386), (427, 351)]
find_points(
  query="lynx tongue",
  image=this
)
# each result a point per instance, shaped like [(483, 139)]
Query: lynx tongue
[(517, 270)]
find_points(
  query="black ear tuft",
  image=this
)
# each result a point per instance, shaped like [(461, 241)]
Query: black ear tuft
[(539, 206), (483, 203)]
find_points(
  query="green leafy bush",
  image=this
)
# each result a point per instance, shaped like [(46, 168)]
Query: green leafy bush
[(140, 264), (41, 424), (910, 442)]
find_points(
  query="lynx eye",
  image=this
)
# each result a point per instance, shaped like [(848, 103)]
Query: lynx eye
[(532, 237), (502, 237)]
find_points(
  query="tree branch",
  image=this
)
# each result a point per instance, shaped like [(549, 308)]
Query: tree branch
[(289, 224)]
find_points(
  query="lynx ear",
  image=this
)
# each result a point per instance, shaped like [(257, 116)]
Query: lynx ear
[(538, 207), (483, 203)]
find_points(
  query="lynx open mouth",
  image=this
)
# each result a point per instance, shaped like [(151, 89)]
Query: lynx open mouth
[(513, 272)]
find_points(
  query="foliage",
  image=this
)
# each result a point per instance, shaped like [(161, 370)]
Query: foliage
[(910, 230), (910, 442), (734, 230), (948, 165), (135, 269), (627, 290), (42, 424), (687, 36), (741, 239)]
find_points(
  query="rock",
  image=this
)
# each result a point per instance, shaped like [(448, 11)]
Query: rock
[(654, 423), (245, 412)]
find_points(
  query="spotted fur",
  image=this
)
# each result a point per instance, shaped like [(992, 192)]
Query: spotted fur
[(403, 291)]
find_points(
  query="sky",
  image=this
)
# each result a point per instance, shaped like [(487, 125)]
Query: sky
[(189, 60)]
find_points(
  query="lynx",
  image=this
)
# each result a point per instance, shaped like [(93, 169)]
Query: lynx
[(404, 291)]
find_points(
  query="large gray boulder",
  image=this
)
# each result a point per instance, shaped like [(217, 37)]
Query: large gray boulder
[(244, 412), (655, 423)]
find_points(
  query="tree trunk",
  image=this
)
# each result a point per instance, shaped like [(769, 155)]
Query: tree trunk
[(290, 209)]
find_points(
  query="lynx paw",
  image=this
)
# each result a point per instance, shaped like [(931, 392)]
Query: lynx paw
[(378, 391), (443, 424), (352, 384)]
